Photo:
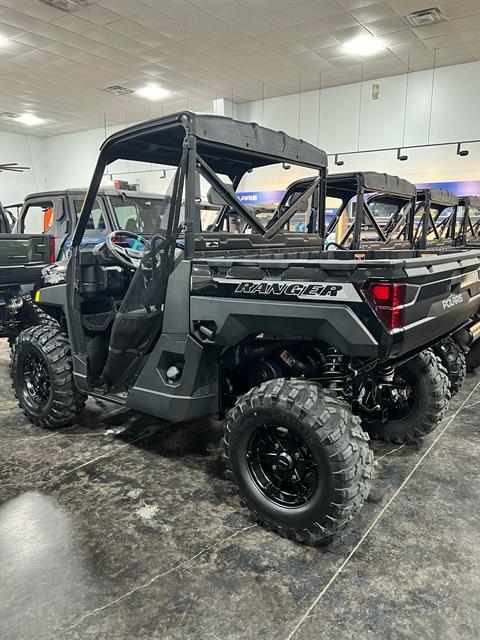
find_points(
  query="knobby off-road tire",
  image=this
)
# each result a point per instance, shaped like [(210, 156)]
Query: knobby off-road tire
[(430, 385), (473, 357), (42, 378), (453, 359), (328, 448), (31, 315)]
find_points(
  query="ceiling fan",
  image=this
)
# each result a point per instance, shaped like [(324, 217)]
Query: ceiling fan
[(12, 166)]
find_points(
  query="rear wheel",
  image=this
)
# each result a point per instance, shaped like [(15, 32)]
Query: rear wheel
[(299, 459), (41, 370), (410, 404), (453, 359)]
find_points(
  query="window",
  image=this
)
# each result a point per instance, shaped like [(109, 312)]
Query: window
[(38, 218), (138, 214), (96, 221)]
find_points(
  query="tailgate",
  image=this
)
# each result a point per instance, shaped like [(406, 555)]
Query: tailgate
[(22, 257), (440, 297)]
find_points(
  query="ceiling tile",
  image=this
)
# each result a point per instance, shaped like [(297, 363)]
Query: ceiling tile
[(470, 36), (319, 42), (449, 40), (255, 27), (151, 18), (315, 9), (231, 14), (127, 27), (462, 9), (73, 23), (244, 45), (386, 26), (38, 10), (61, 49), (122, 7), (465, 24), (344, 35), (33, 40), (97, 14), (286, 18), (433, 30), (264, 7), (373, 12), (15, 48), (454, 51), (8, 30)]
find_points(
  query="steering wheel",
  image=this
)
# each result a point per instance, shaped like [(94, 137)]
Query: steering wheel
[(127, 256)]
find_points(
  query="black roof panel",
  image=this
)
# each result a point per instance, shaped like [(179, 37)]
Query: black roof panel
[(438, 196), (372, 181), (229, 146), (472, 201)]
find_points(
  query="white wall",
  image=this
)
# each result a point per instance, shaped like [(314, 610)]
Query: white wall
[(346, 118), (28, 151), (71, 157)]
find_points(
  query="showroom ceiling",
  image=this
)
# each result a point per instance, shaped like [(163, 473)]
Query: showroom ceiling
[(56, 64)]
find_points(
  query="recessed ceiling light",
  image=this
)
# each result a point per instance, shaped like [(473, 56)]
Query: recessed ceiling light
[(364, 45), (30, 119), (153, 92), (4, 41)]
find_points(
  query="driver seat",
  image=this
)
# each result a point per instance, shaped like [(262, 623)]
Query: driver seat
[(131, 336)]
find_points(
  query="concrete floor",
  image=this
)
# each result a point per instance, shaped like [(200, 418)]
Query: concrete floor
[(121, 527)]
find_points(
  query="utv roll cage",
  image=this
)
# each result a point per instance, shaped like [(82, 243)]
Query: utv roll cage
[(469, 232), (347, 186), (210, 145), (443, 228), (357, 186)]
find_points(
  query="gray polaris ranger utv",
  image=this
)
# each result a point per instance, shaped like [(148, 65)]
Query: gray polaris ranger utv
[(263, 326)]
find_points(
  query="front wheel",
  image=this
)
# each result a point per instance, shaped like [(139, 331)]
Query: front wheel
[(42, 377), (408, 405), (299, 459)]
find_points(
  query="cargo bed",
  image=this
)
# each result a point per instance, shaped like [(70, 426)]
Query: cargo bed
[(22, 257)]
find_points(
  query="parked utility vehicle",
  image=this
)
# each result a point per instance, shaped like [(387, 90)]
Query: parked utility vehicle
[(55, 214), (267, 327), (376, 210), (22, 258)]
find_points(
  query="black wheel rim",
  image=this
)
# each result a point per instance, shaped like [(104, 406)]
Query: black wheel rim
[(36, 378), (282, 465)]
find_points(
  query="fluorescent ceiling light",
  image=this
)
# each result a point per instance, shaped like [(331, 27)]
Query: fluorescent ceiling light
[(153, 92), (30, 119), (364, 46)]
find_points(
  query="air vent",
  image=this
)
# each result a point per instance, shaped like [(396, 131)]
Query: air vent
[(9, 115), (68, 5), (117, 90), (424, 17)]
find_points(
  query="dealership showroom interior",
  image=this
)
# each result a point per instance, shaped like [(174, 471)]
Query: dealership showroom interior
[(239, 319)]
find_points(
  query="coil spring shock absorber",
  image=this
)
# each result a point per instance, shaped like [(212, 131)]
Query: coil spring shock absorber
[(335, 370)]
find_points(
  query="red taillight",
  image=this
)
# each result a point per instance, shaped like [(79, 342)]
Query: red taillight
[(53, 257), (388, 301)]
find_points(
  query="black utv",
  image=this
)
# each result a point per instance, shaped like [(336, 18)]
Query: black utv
[(286, 340)]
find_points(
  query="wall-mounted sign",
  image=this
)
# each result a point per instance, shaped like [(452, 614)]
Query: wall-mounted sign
[(461, 188), (260, 197)]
